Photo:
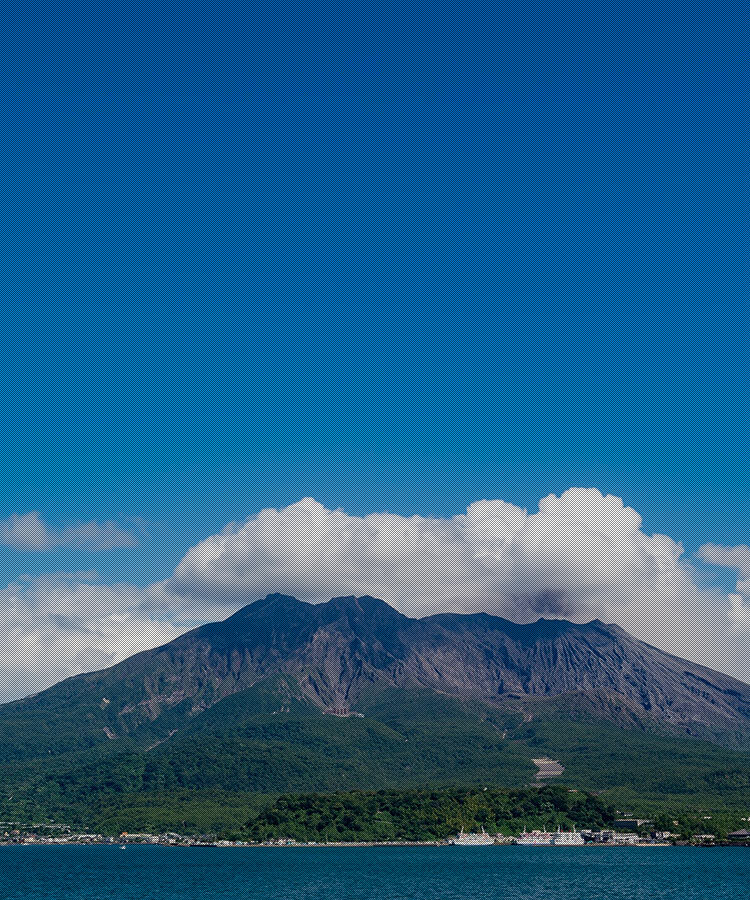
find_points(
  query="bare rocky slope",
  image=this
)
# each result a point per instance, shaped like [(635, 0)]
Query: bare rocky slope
[(335, 656)]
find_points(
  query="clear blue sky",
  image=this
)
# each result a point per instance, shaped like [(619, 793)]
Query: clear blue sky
[(395, 257)]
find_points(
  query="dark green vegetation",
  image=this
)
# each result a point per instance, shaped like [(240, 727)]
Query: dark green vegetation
[(439, 814), (218, 773), (203, 733), (644, 771), (424, 815)]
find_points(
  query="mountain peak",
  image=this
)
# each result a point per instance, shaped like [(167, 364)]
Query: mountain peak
[(337, 651), (271, 601), (278, 600), (275, 605), (206, 699), (366, 605)]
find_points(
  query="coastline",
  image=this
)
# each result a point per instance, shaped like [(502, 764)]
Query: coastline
[(287, 845)]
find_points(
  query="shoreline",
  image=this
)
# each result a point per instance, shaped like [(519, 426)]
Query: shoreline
[(236, 845)]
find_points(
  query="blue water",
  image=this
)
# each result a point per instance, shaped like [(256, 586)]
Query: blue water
[(382, 873)]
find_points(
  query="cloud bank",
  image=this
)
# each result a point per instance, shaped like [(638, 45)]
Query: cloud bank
[(29, 532), (733, 558), (582, 555), (54, 627)]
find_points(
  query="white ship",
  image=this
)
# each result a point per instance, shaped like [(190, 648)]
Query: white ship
[(534, 838), (472, 839), (568, 838), (558, 838)]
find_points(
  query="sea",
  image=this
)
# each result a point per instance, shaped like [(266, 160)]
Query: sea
[(40, 872)]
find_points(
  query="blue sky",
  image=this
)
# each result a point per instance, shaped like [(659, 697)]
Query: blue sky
[(397, 258)]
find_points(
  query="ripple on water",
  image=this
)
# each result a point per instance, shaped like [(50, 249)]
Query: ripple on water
[(382, 873)]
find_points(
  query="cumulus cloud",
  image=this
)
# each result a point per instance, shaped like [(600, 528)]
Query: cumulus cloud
[(62, 625), (29, 532), (733, 558), (582, 555)]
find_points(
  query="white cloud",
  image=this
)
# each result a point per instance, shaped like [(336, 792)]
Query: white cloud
[(740, 608), (581, 556), (29, 532), (733, 558), (54, 627), (582, 552)]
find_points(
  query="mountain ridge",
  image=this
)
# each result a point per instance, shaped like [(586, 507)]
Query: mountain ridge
[(337, 649), (351, 694)]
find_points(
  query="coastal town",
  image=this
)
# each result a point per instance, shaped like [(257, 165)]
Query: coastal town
[(14, 834)]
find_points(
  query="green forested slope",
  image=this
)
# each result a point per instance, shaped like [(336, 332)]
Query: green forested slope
[(249, 746), (197, 732), (425, 815)]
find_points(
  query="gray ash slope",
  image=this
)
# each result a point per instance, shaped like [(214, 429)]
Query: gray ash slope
[(338, 655)]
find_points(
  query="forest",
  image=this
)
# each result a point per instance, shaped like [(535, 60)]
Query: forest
[(425, 815)]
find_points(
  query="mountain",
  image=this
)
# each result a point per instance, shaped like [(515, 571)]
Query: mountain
[(337, 653), (286, 695)]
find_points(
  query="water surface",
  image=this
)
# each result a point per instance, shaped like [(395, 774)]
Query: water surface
[(380, 873)]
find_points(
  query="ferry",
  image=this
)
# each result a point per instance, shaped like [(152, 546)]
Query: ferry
[(550, 839), (534, 838), (472, 839), (568, 839)]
